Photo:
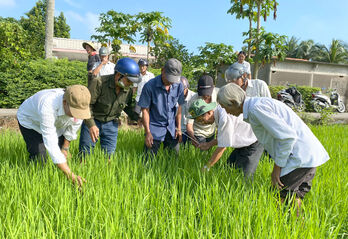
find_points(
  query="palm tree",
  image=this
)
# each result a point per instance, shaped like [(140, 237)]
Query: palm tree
[(49, 29), (335, 53), (292, 47), (306, 50)]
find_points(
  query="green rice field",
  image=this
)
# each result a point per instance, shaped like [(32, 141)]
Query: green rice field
[(167, 198)]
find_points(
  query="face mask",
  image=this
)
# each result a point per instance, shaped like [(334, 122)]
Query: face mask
[(121, 84)]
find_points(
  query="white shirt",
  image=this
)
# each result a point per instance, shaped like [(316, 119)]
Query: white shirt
[(232, 130), (144, 79), (203, 130), (283, 134), (107, 69), (44, 113), (184, 108), (257, 88), (245, 65)]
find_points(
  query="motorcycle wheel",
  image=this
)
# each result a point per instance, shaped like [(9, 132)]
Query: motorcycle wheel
[(341, 107), (317, 107), (301, 106)]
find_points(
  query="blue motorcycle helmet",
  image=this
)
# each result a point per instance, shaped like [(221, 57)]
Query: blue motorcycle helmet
[(129, 68)]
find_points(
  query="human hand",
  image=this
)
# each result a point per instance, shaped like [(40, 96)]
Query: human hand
[(178, 135), (94, 133), (275, 177), (104, 61), (149, 140), (77, 179)]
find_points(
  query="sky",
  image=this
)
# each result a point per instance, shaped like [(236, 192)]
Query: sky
[(195, 22)]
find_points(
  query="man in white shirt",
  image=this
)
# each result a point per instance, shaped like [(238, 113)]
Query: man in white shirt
[(50, 119), (243, 64), (201, 133), (232, 132), (293, 146), (104, 67), (188, 95), (253, 88), (145, 76)]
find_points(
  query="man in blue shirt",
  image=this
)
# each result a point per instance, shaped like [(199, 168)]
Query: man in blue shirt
[(160, 103)]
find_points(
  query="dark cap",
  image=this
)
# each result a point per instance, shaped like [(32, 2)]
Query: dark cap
[(205, 85), (173, 69)]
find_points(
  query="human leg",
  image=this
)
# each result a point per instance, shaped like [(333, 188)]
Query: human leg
[(34, 143), (246, 158), (170, 143), (108, 136)]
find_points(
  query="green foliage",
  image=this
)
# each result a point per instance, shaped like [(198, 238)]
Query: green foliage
[(116, 27), (270, 45), (34, 24), (212, 56), (13, 41), (154, 28), (306, 92), (18, 84), (335, 53), (61, 28), (168, 198)]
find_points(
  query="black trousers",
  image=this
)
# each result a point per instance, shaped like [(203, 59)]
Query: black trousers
[(35, 144), (246, 158)]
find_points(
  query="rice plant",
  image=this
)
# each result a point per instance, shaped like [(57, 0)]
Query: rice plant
[(168, 197)]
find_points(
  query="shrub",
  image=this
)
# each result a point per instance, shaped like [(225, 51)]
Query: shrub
[(19, 83)]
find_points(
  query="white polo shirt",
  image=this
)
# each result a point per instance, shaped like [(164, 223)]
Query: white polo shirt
[(232, 131), (144, 79), (283, 134), (245, 65), (107, 69), (44, 113), (184, 109)]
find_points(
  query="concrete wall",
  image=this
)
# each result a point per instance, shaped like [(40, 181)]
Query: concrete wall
[(73, 50), (302, 72)]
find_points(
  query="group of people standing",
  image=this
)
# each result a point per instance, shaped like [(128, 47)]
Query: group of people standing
[(240, 115)]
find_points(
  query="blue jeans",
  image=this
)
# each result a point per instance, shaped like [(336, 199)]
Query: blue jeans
[(108, 132)]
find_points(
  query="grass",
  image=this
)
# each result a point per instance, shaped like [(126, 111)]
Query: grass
[(168, 198)]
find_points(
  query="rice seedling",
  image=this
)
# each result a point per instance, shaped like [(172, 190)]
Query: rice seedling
[(168, 197)]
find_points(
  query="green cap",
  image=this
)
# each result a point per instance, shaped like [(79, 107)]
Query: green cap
[(200, 107)]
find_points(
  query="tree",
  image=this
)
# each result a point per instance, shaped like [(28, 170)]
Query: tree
[(255, 8), (116, 27), (34, 23), (13, 41), (49, 29), (292, 46), (212, 56), (306, 50), (154, 28), (61, 29), (271, 46), (335, 53)]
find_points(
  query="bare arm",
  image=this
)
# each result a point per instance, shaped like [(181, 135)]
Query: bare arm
[(146, 123), (190, 132), (65, 148), (215, 158), (70, 175), (208, 145), (178, 124)]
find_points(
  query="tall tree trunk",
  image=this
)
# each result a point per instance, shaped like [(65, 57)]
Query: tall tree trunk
[(49, 29), (250, 33), (148, 51), (256, 62)]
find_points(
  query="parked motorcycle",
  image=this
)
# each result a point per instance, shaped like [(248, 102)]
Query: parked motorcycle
[(292, 98), (321, 101)]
